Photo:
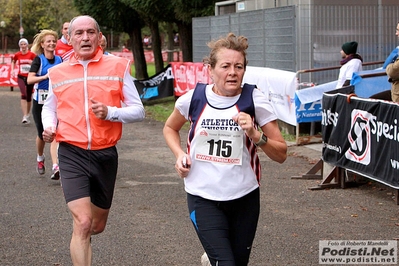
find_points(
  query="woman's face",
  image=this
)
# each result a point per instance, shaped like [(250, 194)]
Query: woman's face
[(23, 46), (228, 72), (49, 42)]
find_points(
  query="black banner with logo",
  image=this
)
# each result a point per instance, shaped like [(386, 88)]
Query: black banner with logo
[(158, 86), (362, 135)]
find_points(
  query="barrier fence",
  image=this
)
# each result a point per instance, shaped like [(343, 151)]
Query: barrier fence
[(308, 102)]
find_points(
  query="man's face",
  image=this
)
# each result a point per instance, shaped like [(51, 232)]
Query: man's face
[(397, 30), (65, 28), (85, 38)]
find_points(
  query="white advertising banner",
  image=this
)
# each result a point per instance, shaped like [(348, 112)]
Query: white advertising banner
[(279, 86)]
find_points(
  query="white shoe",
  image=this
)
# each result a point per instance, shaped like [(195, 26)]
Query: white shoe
[(205, 260), (25, 120)]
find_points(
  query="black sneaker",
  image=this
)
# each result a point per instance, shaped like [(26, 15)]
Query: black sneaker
[(56, 173)]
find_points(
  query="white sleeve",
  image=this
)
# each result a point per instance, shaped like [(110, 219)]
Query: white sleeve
[(133, 111), (49, 110), (355, 65), (347, 70), (264, 112), (341, 77), (183, 103)]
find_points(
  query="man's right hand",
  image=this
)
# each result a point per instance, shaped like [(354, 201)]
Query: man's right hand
[(49, 134)]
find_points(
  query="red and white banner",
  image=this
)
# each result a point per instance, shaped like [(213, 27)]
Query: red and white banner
[(187, 75), (5, 71), (149, 55)]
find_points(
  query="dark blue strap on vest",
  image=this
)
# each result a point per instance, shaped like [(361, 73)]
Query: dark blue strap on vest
[(245, 102), (199, 101)]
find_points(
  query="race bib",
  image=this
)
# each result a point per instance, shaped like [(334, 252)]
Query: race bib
[(223, 147), (42, 94), (24, 68)]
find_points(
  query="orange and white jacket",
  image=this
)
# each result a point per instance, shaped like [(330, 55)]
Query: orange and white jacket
[(74, 83)]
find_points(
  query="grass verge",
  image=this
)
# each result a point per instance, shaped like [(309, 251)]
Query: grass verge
[(150, 69), (160, 109)]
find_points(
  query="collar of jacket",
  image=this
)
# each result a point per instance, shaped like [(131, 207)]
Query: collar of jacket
[(99, 53), (349, 58)]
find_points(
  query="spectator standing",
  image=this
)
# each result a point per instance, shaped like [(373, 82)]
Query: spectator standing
[(84, 113), (176, 39), (124, 49), (23, 59), (351, 62), (392, 70), (63, 48), (394, 54), (146, 41), (393, 77), (43, 45), (221, 169)]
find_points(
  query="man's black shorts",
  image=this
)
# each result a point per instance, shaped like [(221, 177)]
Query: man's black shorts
[(88, 173)]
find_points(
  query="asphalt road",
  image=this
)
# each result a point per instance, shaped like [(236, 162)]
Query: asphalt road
[(149, 222)]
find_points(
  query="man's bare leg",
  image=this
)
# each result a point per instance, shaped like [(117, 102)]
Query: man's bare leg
[(88, 220)]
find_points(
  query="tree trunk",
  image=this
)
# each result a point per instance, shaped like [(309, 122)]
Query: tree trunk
[(156, 45), (138, 54), (186, 42), (170, 41)]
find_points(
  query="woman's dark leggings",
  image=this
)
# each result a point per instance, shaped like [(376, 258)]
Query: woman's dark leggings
[(26, 90), (37, 117), (226, 229)]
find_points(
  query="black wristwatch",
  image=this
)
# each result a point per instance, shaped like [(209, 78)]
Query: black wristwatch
[(262, 140)]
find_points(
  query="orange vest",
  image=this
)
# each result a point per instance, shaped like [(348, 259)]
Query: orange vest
[(74, 86)]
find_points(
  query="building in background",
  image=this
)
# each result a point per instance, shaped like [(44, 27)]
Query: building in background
[(296, 35)]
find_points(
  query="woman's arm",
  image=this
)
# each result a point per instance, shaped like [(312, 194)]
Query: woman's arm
[(275, 147), (172, 137), (32, 78), (34, 68)]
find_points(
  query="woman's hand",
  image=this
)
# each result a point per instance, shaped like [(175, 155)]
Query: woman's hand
[(245, 121), (182, 165)]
